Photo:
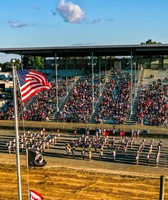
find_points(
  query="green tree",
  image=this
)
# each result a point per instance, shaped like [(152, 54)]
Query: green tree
[(150, 41), (36, 62)]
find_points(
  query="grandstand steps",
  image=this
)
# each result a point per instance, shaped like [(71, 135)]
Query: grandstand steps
[(65, 99), (97, 105), (141, 76), (56, 113), (131, 118), (4, 104)]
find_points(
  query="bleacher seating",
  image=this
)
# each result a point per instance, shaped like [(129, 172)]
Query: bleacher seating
[(78, 108), (114, 105), (112, 102), (151, 110)]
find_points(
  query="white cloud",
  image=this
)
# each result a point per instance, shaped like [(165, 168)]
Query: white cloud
[(70, 12), (17, 24)]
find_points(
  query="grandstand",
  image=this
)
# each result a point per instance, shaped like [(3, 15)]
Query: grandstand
[(112, 104), (111, 90)]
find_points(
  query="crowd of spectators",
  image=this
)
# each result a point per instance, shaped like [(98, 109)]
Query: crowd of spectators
[(153, 104), (115, 103), (8, 113), (78, 107), (112, 107), (41, 107)]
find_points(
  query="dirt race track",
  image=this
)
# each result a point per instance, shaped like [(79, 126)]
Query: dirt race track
[(73, 179)]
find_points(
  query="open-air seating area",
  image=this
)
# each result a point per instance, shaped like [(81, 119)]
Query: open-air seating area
[(153, 105), (112, 101), (114, 105)]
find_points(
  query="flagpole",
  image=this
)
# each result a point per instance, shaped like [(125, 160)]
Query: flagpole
[(27, 163), (17, 135)]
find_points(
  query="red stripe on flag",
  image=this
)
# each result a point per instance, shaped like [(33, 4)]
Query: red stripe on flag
[(34, 83), (35, 195)]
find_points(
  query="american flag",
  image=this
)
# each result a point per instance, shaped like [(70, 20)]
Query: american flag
[(31, 82), (35, 195)]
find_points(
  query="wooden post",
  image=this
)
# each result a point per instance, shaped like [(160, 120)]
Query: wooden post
[(162, 183)]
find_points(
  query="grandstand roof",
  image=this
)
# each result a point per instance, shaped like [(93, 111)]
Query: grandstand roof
[(98, 50)]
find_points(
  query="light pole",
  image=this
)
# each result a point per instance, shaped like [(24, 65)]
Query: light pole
[(100, 89), (135, 72), (105, 66), (56, 81), (66, 77), (93, 98), (131, 84), (21, 62)]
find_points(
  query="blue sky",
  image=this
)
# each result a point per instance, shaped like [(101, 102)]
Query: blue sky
[(39, 23)]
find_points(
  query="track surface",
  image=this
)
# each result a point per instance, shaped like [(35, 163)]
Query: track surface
[(67, 178)]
